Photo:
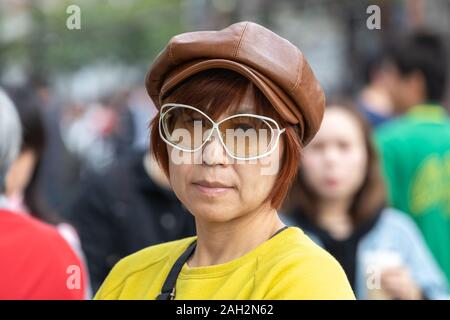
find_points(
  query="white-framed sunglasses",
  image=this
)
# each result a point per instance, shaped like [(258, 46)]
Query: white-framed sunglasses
[(244, 136)]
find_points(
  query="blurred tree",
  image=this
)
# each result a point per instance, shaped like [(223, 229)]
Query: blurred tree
[(125, 32)]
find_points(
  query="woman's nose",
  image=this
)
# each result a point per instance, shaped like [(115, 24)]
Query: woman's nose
[(331, 155), (213, 152)]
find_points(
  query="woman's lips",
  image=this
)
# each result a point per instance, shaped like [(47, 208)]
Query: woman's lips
[(212, 188), (331, 182)]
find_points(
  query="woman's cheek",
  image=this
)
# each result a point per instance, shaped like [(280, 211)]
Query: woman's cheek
[(356, 163), (253, 186), (355, 159), (311, 161), (179, 179)]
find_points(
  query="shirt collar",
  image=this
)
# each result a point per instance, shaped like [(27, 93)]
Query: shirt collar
[(429, 112)]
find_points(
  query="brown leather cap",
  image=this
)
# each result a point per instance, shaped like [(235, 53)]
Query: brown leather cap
[(273, 64)]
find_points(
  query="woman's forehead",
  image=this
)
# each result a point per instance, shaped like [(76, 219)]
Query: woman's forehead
[(338, 124)]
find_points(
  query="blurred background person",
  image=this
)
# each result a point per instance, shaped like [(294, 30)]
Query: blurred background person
[(22, 188), (128, 207), (11, 135), (415, 147), (57, 171), (340, 202), (374, 100), (37, 263), (99, 132)]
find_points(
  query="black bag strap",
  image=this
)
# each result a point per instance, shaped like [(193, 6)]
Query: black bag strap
[(168, 288), (278, 231)]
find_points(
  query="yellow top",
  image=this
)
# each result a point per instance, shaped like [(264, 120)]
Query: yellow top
[(287, 266)]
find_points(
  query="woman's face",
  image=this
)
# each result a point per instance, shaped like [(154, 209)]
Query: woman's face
[(217, 188), (334, 164)]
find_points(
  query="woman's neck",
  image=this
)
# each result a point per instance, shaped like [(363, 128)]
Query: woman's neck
[(219, 243), (333, 216)]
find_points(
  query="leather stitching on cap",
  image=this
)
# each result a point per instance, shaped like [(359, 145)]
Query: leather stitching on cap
[(240, 42)]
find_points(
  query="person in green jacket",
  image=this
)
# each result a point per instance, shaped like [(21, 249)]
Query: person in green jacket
[(415, 145)]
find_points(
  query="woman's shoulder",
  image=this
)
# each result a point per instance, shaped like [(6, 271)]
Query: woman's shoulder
[(394, 219), (301, 253), (308, 254), (25, 227), (305, 270), (395, 229), (148, 256), (142, 261), (155, 253)]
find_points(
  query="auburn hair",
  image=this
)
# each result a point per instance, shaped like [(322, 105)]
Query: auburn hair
[(216, 91)]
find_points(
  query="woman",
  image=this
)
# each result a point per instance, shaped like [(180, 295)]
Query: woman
[(10, 134), (22, 186), (22, 182), (36, 262), (340, 204), (236, 106)]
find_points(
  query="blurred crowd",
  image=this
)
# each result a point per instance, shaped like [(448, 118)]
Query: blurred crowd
[(79, 186)]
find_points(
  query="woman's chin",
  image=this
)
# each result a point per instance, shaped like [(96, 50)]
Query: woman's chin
[(213, 213)]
